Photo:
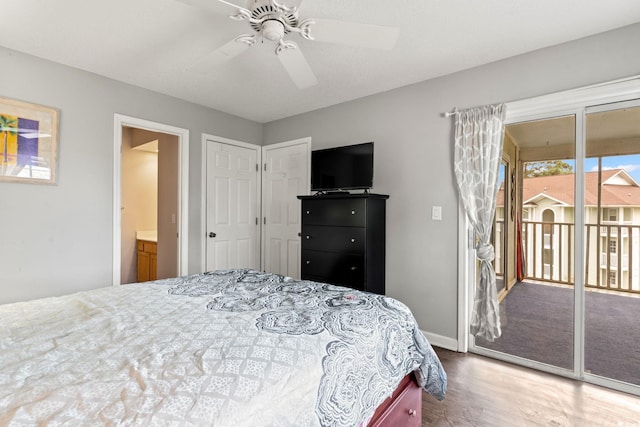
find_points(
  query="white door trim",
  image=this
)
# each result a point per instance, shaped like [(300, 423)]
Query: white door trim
[(203, 193), (307, 142), (466, 270), (121, 121)]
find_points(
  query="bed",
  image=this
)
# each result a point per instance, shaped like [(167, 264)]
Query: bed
[(225, 348)]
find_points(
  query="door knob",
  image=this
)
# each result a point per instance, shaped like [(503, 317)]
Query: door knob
[(212, 234)]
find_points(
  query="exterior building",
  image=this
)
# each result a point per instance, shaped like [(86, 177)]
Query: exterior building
[(612, 229)]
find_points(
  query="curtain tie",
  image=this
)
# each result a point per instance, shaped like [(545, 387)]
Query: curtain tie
[(485, 252)]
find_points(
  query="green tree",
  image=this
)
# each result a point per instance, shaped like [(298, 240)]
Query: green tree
[(547, 168), (8, 125)]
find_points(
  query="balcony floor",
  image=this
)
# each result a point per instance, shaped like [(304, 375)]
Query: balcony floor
[(537, 324)]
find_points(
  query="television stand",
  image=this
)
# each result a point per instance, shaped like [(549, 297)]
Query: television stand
[(338, 192)]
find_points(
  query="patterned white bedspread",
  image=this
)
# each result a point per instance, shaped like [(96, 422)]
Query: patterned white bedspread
[(227, 348)]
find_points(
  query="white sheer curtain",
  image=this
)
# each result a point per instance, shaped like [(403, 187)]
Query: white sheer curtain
[(479, 136)]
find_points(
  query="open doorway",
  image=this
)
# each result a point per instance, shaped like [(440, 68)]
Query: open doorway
[(150, 200), (149, 190)]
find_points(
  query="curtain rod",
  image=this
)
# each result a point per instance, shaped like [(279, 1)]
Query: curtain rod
[(451, 113), (455, 110)]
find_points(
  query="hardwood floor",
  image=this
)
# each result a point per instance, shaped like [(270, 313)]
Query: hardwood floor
[(487, 392)]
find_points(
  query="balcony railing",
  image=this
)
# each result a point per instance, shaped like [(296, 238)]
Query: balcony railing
[(548, 252), (611, 260), (612, 228)]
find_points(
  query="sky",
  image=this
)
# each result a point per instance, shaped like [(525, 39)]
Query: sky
[(630, 163)]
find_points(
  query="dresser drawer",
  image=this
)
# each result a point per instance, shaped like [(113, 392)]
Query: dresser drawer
[(333, 239), (332, 267), (342, 212), (405, 409)]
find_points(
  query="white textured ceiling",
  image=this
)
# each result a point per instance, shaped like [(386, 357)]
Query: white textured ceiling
[(152, 43)]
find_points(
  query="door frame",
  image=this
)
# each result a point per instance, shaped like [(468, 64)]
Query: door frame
[(203, 193), (121, 121), (572, 102)]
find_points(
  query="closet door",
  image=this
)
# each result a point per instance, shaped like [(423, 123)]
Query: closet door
[(285, 176), (232, 211)]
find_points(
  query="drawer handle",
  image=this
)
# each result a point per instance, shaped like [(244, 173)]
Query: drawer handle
[(308, 212), (353, 212), (308, 262), (308, 237), (353, 240), (354, 268), (412, 412)]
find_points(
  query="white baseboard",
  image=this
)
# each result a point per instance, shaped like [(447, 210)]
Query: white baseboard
[(441, 341)]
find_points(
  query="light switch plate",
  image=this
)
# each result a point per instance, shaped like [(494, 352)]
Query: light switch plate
[(436, 213)]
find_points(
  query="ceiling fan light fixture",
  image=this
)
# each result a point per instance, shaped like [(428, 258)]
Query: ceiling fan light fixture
[(273, 29), (273, 20)]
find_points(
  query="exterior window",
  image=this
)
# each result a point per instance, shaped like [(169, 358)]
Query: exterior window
[(609, 214), (612, 277), (613, 246), (525, 214), (547, 271)]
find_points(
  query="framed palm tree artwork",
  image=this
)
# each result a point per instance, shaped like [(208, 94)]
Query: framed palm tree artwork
[(28, 142)]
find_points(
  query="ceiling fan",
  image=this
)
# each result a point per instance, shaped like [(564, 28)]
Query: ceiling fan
[(273, 21)]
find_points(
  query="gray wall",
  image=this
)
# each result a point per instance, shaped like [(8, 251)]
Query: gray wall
[(414, 153), (57, 239)]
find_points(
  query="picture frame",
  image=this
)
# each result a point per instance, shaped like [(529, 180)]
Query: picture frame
[(28, 142)]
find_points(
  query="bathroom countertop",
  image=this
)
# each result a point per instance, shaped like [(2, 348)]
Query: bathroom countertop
[(149, 236)]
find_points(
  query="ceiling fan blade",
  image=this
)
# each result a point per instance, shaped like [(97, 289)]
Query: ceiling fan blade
[(219, 6), (223, 54), (296, 65), (354, 34)]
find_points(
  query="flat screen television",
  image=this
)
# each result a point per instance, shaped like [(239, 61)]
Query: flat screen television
[(342, 168)]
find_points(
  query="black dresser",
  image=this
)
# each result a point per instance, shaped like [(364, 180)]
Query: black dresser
[(343, 240)]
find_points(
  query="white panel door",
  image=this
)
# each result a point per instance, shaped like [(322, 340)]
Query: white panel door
[(232, 211), (285, 176)]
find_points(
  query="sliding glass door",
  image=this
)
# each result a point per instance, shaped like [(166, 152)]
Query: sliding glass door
[(500, 236), (573, 305), (612, 243), (537, 308)]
